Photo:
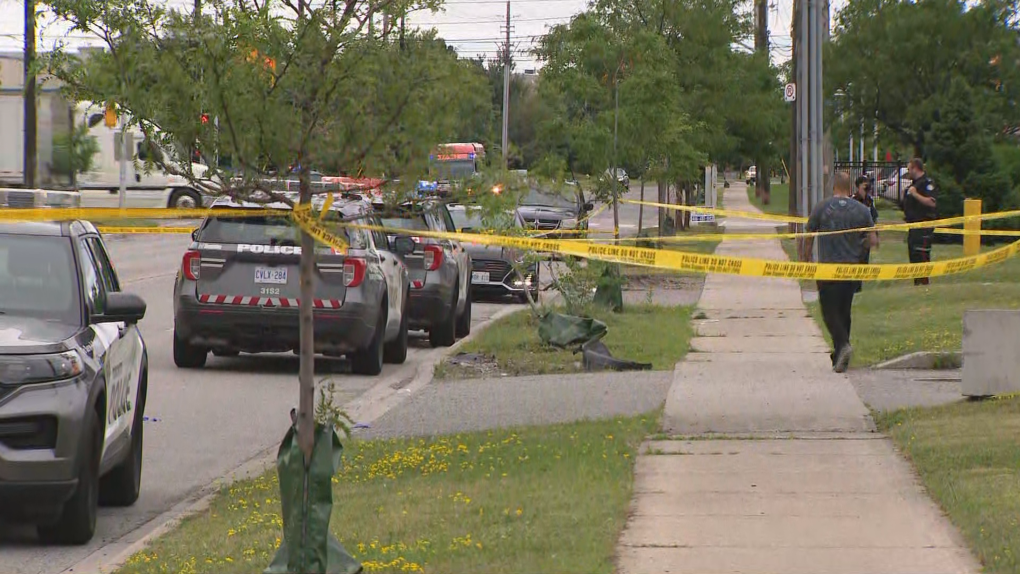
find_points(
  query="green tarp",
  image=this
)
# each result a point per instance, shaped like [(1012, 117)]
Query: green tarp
[(306, 496), (568, 331)]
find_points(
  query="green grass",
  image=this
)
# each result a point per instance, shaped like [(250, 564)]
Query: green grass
[(129, 223), (968, 457), (643, 333), (538, 499), (779, 199)]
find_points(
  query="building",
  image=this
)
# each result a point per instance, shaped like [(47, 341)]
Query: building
[(53, 117)]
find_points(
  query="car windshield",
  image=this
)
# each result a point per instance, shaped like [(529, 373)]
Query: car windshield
[(542, 198), (37, 279), (454, 169), (410, 222), (474, 219), (272, 230)]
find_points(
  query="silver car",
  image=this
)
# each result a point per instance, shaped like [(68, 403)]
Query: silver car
[(496, 270), (237, 290), (440, 300)]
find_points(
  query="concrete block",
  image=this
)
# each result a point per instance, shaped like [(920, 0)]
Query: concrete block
[(991, 363)]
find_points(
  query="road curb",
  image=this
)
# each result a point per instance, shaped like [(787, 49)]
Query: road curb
[(366, 408)]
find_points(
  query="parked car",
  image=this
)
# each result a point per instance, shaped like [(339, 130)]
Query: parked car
[(496, 270), (555, 214), (621, 176), (238, 287), (440, 299), (896, 182), (74, 380), (751, 176)]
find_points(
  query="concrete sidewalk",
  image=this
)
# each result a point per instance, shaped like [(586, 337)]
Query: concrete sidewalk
[(811, 488)]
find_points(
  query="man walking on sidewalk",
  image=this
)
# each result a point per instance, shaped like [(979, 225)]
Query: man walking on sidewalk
[(838, 213)]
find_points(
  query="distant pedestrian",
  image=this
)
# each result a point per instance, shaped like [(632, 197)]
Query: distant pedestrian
[(919, 205), (862, 193), (839, 213)]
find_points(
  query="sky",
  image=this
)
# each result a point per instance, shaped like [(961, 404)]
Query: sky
[(473, 27)]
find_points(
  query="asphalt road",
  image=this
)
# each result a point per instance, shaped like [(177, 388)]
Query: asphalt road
[(203, 423)]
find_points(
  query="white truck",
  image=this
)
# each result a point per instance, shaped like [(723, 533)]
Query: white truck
[(146, 187)]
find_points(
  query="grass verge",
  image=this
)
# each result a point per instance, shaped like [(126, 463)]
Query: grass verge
[(128, 223), (779, 199), (644, 333), (539, 499), (968, 457)]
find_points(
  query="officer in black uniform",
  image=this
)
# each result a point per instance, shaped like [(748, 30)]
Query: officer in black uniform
[(919, 205), (862, 193)]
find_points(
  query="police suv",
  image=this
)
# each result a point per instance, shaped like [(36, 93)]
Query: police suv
[(73, 375), (238, 287)]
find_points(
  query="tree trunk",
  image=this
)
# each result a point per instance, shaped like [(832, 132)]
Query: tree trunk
[(641, 208), (306, 369)]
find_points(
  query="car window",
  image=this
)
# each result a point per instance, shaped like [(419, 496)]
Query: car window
[(411, 222), (106, 271), (95, 295), (541, 198), (271, 230), (444, 213), (37, 279)]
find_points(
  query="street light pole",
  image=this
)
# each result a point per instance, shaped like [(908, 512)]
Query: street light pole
[(616, 179)]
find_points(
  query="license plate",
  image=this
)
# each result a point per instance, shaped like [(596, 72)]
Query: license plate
[(479, 277), (272, 275)]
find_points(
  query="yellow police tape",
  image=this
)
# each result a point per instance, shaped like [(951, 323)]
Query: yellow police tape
[(684, 261), (793, 219), (666, 259), (114, 213)]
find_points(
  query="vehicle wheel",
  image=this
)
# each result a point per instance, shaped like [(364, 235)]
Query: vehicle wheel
[(445, 334), (121, 486), (464, 321), (184, 199), (395, 352), (188, 356), (77, 522), (370, 361)]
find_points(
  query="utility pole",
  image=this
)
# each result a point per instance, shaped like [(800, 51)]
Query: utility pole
[(795, 159), (615, 176), (403, 22), (30, 158), (506, 91), (761, 44)]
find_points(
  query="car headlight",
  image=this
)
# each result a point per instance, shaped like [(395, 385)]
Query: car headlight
[(25, 369), (568, 223)]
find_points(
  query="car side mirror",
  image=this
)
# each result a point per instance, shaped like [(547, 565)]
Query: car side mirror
[(403, 245), (588, 206), (121, 308)]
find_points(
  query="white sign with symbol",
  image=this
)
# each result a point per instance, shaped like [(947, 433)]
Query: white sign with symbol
[(790, 94)]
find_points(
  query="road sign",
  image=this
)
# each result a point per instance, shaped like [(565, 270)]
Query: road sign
[(790, 93)]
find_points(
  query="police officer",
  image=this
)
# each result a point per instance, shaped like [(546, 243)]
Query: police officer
[(919, 205), (862, 193)]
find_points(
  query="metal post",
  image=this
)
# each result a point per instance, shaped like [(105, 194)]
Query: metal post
[(30, 152), (862, 141), (803, 97), (506, 91), (71, 148), (125, 153), (616, 179)]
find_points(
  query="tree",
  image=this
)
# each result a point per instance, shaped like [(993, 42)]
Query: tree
[(909, 65), (290, 87)]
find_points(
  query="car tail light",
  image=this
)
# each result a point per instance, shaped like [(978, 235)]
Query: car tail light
[(354, 271), (191, 266), (433, 257)]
